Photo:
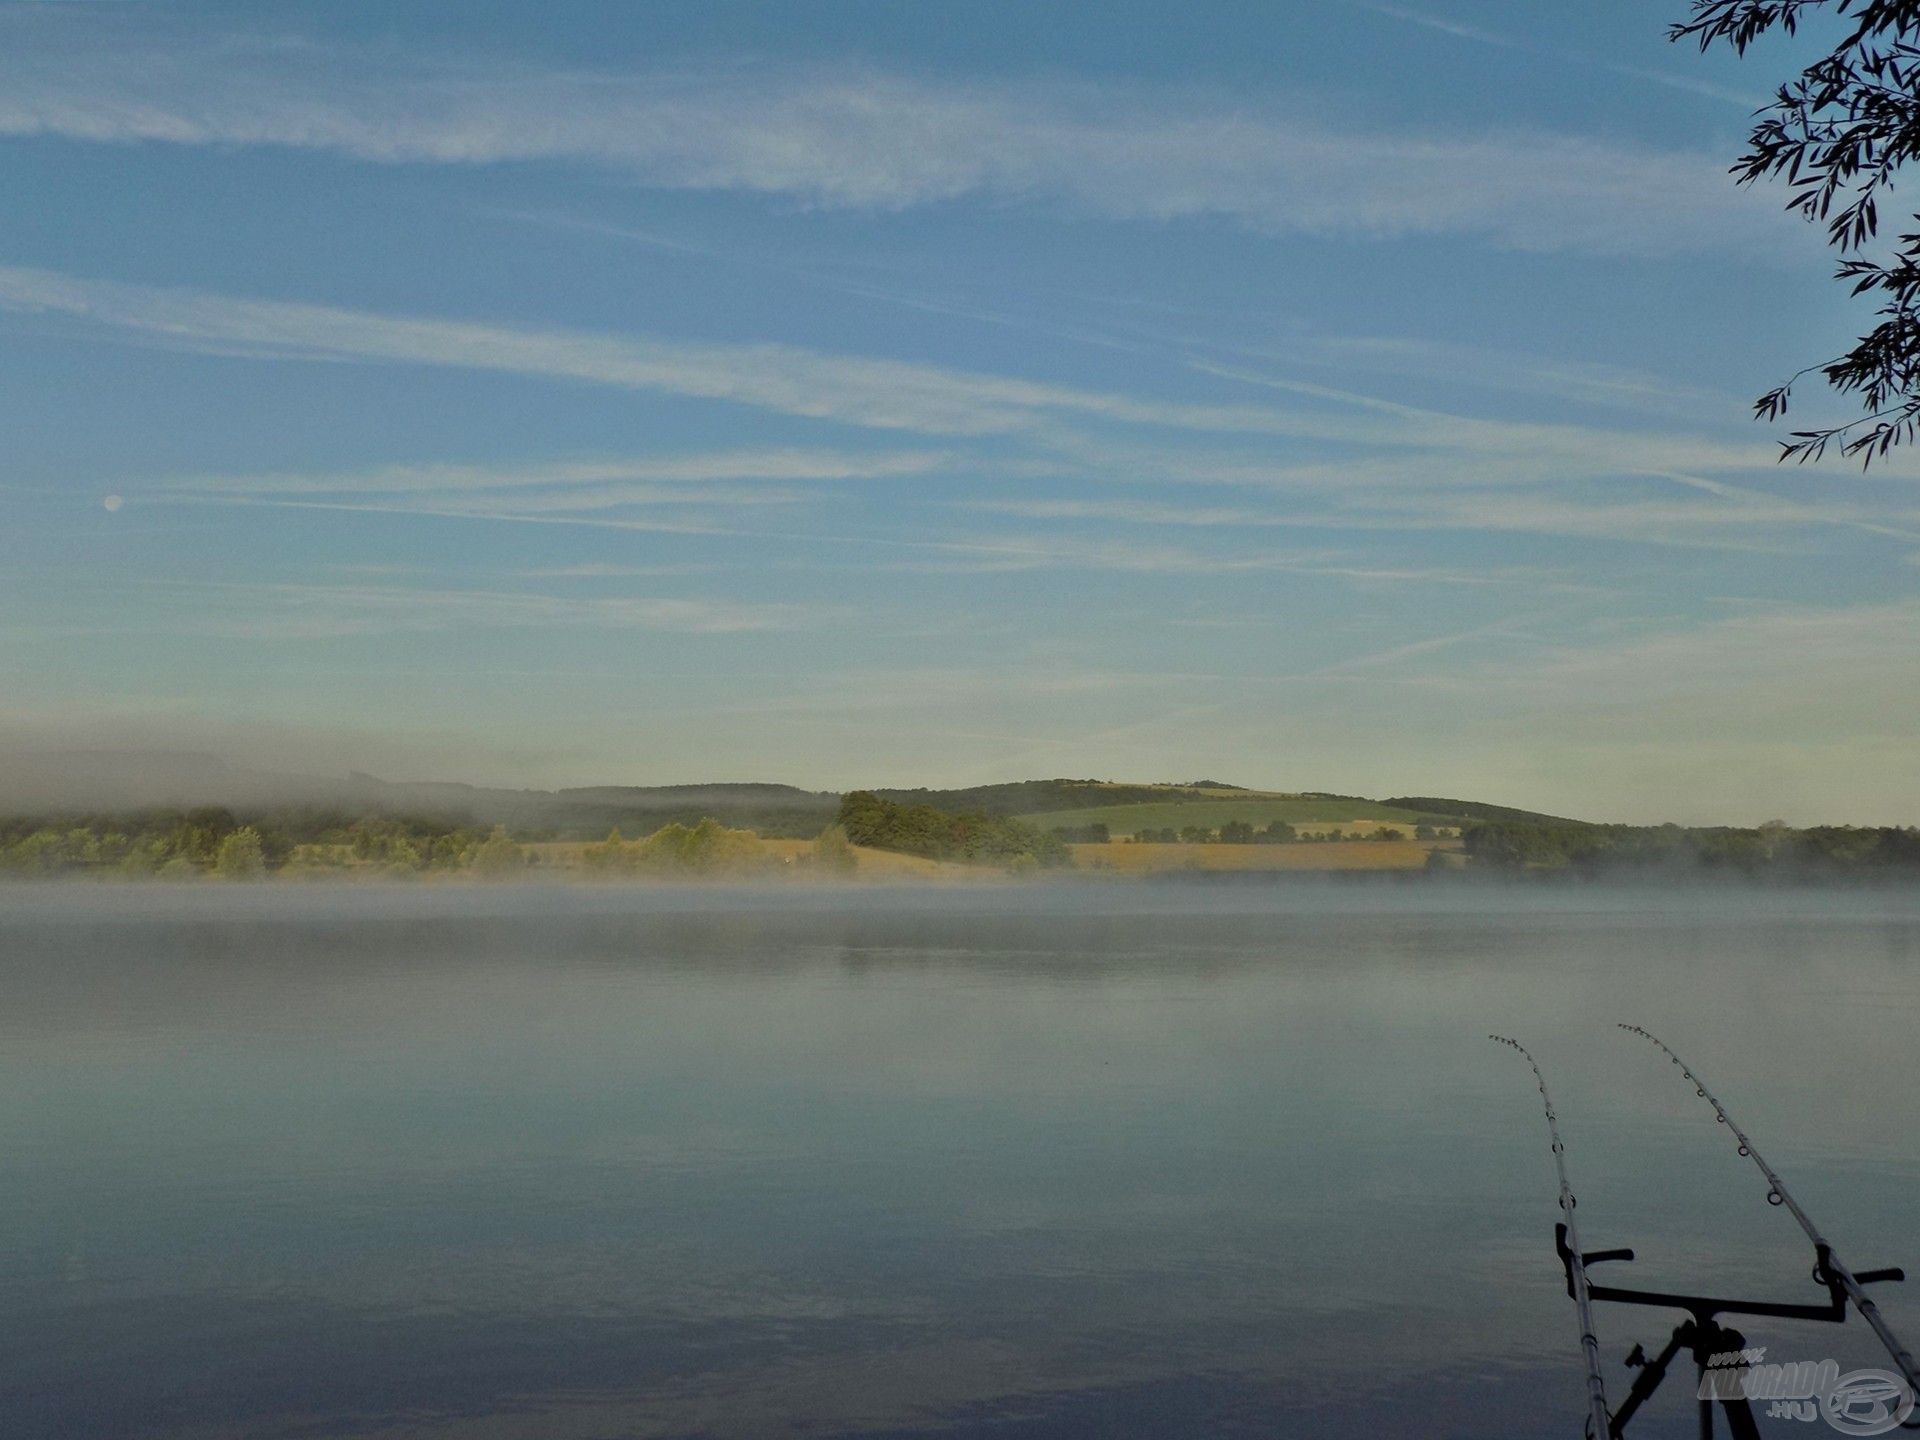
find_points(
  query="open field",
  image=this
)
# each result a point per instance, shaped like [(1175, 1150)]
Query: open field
[(1295, 811), (1127, 858), (563, 857)]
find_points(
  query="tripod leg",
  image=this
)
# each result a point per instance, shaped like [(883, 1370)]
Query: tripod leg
[(1740, 1423)]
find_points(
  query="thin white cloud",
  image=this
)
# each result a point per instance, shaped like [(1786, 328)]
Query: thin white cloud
[(242, 610), (1734, 519), (790, 380), (1503, 41), (990, 554), (631, 497), (597, 570), (877, 141), (1358, 461), (1139, 512), (867, 392), (693, 470), (1454, 363)]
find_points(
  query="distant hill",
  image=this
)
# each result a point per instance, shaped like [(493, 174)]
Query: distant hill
[(1477, 810), (71, 782), (589, 812), (1211, 812), (75, 782), (1032, 797)]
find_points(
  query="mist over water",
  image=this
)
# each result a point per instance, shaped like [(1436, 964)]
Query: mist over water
[(1145, 1159)]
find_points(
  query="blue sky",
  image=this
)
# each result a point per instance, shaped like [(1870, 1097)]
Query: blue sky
[(1316, 395)]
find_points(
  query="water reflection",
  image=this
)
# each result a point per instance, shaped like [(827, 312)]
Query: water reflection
[(1146, 1160)]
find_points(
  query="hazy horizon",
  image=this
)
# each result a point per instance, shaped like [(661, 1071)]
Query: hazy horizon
[(129, 777)]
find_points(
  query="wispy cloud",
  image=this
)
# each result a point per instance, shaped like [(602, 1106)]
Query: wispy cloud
[(1733, 519), (692, 470), (856, 390), (1446, 25), (874, 393), (878, 141), (1139, 512), (1351, 460), (1455, 363), (241, 610), (595, 570), (986, 554)]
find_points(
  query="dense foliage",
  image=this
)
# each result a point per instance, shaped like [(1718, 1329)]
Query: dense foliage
[(975, 838), (1095, 834), (1672, 851), (214, 840), (705, 848), (1234, 832), (771, 810)]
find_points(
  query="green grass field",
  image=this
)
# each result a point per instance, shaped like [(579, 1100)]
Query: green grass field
[(1127, 819)]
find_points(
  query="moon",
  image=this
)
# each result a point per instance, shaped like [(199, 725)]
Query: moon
[(112, 502)]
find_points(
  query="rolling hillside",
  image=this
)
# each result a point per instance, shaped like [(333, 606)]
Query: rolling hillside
[(102, 782), (1037, 797), (1256, 809)]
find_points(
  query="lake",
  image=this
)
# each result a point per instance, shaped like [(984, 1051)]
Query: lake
[(1069, 1161)]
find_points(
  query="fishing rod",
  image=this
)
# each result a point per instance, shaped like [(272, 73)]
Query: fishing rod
[(1599, 1422), (1829, 1269)]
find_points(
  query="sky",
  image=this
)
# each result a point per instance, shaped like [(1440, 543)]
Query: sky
[(1324, 395)]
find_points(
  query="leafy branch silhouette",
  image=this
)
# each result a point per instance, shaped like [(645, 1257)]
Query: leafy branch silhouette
[(1837, 134)]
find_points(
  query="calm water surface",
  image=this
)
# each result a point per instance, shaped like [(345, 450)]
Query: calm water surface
[(1129, 1161)]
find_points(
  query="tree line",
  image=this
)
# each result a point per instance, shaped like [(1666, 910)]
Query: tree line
[(969, 837), (705, 848), (1236, 832), (1674, 851), (214, 840)]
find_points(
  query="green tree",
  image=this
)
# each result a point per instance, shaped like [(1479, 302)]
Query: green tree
[(241, 856), (498, 857), (608, 856), (833, 853), (970, 836)]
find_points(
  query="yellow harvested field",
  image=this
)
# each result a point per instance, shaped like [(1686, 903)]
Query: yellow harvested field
[(1123, 857), (562, 858)]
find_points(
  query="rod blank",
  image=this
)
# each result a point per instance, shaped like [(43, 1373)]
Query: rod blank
[(1828, 1263), (1599, 1420)]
